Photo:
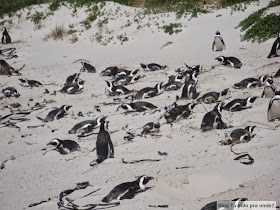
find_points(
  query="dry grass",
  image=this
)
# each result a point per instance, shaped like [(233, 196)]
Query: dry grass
[(73, 39), (59, 32)]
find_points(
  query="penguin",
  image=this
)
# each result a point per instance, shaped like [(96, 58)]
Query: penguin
[(30, 83), (218, 42), (189, 92), (194, 68), (191, 78), (127, 190), (125, 80), (213, 119), (172, 86), (275, 48), (13, 106), (6, 39), (5, 68), (179, 111), (150, 127), (104, 145), (213, 97), (269, 89), (242, 134), (64, 146), (124, 72), (110, 71), (250, 82), (277, 74), (232, 61), (152, 66), (149, 92), (116, 90), (86, 126), (10, 91), (240, 104), (273, 111), (72, 79), (56, 114), (178, 78), (139, 106), (74, 88), (87, 68)]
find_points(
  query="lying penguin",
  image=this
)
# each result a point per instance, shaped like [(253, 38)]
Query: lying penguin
[(179, 111), (30, 83), (73, 88), (63, 146), (86, 126), (213, 97), (56, 114), (139, 106), (150, 128), (128, 190), (113, 90), (240, 104), (213, 119), (149, 92), (152, 66), (10, 91), (104, 145), (230, 61), (251, 82)]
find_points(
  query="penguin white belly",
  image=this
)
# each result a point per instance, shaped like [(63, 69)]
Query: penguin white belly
[(274, 111), (219, 44), (268, 92)]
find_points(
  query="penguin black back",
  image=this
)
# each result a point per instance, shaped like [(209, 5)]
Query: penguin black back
[(275, 48), (6, 39)]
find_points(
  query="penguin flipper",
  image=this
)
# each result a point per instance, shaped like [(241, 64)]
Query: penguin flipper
[(129, 195)]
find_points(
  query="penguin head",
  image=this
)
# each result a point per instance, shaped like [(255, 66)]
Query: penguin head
[(220, 59), (99, 120), (252, 99), (143, 65), (219, 107), (124, 106), (23, 80), (250, 129), (159, 87), (66, 107), (135, 78), (16, 93), (157, 125), (218, 33), (143, 180), (224, 92), (269, 82), (109, 84), (55, 142), (191, 106), (76, 77), (104, 125), (263, 78), (134, 72), (4, 29)]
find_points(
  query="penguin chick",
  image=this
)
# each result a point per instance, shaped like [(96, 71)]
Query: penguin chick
[(127, 190), (64, 146)]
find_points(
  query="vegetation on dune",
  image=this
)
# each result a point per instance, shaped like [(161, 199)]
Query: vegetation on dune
[(260, 27)]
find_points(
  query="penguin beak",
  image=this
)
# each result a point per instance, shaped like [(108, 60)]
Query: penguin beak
[(149, 178)]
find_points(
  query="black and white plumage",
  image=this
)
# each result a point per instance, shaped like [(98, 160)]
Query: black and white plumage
[(125, 80), (6, 39), (242, 134), (194, 68), (149, 92), (213, 119), (139, 106), (152, 66), (57, 113), (72, 79), (189, 92), (218, 42), (232, 61), (150, 127), (10, 91), (73, 88), (275, 49), (116, 90), (213, 97), (277, 74), (269, 89), (30, 83), (110, 71), (172, 86), (251, 82), (124, 72), (273, 111), (104, 145), (127, 190), (87, 67), (179, 111), (64, 146), (240, 104), (86, 126)]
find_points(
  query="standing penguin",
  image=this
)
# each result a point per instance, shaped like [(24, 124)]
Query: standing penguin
[(269, 89), (189, 92), (275, 48), (104, 145), (127, 190), (6, 39), (273, 111), (218, 42), (213, 119)]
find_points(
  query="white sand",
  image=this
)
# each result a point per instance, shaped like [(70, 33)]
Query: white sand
[(213, 174)]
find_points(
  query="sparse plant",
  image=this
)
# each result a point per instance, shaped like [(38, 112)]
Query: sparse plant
[(172, 28), (74, 38), (57, 33)]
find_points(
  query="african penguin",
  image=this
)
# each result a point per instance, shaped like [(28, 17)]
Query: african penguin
[(73, 88), (125, 80), (57, 113), (194, 68), (6, 39), (277, 74), (179, 111), (273, 111), (64, 146), (150, 128), (152, 66), (242, 134), (86, 126), (191, 78), (30, 83), (127, 190), (87, 68), (104, 145), (110, 71), (10, 91), (213, 97), (250, 82), (189, 92), (269, 89), (139, 106), (218, 42), (149, 92), (275, 48), (72, 79), (124, 72), (178, 78), (232, 61), (116, 90), (172, 86), (213, 119), (240, 104), (5, 68)]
